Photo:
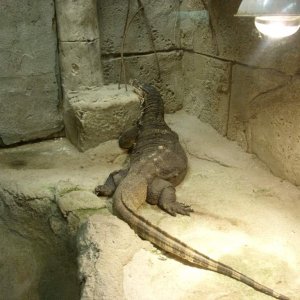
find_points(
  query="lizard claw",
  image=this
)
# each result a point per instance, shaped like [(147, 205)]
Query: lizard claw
[(178, 208), (103, 190)]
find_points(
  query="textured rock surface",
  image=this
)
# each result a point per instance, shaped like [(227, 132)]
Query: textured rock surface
[(37, 256), (161, 16), (207, 89), (98, 115), (29, 92), (264, 117), (99, 238), (234, 196), (80, 65), (79, 44)]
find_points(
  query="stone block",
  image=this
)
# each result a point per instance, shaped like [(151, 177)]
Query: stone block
[(29, 91), (144, 68), (264, 118), (98, 115), (28, 38), (207, 89), (29, 108), (80, 65)]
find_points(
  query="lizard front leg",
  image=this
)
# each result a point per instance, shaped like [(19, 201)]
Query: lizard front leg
[(111, 183), (128, 138), (163, 193)]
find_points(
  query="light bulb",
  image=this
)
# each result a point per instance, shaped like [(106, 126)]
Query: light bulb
[(277, 26)]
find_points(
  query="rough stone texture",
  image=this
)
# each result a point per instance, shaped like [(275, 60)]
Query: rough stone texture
[(207, 89), (29, 108), (29, 97), (195, 30), (265, 119), (99, 238), (80, 65), (256, 119), (144, 68), (162, 17), (96, 116), (79, 44), (248, 86), (37, 257)]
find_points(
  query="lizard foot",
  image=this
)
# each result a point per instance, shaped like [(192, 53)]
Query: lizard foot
[(174, 208), (103, 190)]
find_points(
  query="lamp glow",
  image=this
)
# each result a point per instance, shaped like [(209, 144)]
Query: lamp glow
[(277, 26), (273, 18)]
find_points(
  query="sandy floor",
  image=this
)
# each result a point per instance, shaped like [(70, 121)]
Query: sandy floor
[(244, 216)]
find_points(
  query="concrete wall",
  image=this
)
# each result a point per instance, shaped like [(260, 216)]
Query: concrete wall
[(29, 92)]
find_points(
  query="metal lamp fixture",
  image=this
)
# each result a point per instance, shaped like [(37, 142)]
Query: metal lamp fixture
[(273, 18)]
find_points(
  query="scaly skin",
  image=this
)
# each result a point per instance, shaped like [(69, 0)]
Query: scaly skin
[(157, 164)]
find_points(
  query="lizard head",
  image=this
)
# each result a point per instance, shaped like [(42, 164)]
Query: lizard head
[(151, 103), (143, 90)]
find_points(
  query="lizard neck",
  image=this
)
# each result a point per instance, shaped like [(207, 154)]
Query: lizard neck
[(152, 110)]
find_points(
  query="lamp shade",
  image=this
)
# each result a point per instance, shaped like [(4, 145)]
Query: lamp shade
[(254, 8)]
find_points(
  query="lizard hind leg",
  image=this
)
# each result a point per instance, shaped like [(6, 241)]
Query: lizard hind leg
[(163, 193), (111, 183)]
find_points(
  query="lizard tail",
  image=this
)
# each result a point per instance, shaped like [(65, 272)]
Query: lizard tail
[(166, 242)]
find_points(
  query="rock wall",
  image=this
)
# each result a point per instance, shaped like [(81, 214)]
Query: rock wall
[(245, 86), (29, 90), (162, 68)]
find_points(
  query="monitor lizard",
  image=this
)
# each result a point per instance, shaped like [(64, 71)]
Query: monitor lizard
[(157, 164)]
